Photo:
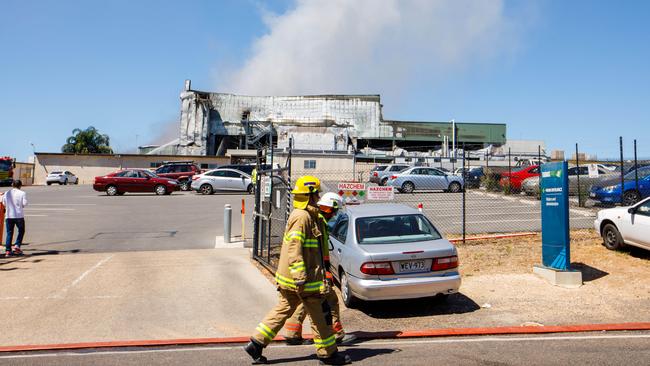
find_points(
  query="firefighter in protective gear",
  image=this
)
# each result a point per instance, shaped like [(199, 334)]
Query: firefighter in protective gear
[(300, 279), (328, 205)]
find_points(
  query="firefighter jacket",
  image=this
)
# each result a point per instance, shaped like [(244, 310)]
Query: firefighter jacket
[(301, 265)]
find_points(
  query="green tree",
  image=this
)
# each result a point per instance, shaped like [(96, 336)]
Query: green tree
[(88, 141)]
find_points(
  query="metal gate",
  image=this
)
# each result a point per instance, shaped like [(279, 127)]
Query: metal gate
[(272, 208)]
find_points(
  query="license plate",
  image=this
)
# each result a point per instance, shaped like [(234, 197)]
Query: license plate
[(411, 266), (592, 195)]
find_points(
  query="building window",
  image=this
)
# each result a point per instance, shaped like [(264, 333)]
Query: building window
[(310, 164), (204, 166)]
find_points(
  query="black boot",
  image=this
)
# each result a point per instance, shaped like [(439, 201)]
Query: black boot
[(336, 359), (255, 349)]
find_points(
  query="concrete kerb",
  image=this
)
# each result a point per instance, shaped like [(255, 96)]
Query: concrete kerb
[(426, 333)]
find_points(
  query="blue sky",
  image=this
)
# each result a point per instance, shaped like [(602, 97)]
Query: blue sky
[(572, 71)]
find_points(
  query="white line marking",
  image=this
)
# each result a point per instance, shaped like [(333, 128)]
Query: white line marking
[(491, 214), (36, 215), (63, 204), (74, 283), (50, 209), (8, 298), (82, 353)]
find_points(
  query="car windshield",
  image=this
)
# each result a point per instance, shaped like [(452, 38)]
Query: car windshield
[(379, 168), (395, 229), (642, 172), (56, 173)]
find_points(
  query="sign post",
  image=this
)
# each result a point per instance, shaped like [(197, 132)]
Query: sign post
[(556, 253)]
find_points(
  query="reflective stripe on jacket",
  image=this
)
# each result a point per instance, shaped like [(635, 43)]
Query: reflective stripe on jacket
[(300, 261)]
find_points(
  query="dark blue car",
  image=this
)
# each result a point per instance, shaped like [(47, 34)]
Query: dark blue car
[(609, 191)]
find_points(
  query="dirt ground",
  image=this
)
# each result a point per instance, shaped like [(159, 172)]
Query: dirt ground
[(499, 289)]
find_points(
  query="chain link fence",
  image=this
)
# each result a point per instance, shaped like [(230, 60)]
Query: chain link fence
[(466, 196)]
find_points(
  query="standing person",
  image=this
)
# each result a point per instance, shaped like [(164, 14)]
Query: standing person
[(300, 279), (14, 201), (328, 205)]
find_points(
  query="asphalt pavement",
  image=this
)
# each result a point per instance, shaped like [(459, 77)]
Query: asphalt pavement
[(616, 348), (80, 220)]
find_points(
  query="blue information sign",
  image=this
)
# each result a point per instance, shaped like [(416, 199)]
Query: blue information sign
[(555, 216)]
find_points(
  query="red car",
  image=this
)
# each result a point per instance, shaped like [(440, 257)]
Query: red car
[(134, 180), (515, 178), (182, 171)]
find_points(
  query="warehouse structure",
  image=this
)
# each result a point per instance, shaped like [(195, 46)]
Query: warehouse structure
[(213, 123)]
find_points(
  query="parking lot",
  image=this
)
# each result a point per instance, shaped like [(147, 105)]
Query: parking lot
[(79, 219)]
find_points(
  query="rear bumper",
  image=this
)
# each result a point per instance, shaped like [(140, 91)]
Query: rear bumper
[(404, 288), (99, 187)]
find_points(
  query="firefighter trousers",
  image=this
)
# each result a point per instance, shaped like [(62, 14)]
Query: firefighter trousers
[(293, 326), (324, 339)]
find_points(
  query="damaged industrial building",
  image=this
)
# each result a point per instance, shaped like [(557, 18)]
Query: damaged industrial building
[(213, 123)]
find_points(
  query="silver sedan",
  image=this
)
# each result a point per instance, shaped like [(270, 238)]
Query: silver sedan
[(388, 252), (423, 178), (222, 180)]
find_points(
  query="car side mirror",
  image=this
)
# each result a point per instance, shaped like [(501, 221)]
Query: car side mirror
[(331, 246), (631, 210)]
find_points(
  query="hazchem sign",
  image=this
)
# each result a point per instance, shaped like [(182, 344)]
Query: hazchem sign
[(380, 193), (555, 216), (352, 192)]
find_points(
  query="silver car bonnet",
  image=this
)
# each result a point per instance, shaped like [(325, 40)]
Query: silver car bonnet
[(409, 251)]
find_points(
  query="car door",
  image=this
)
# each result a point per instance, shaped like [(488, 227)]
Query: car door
[(236, 181), (437, 179), (140, 182), (639, 225), (337, 239), (218, 180), (122, 181)]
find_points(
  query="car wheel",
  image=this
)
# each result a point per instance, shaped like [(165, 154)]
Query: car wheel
[(383, 182), (76, 181), (49, 183), (111, 190), (185, 186), (160, 190), (346, 293), (65, 182), (630, 198), (455, 187), (612, 238), (408, 187), (250, 189), (205, 189)]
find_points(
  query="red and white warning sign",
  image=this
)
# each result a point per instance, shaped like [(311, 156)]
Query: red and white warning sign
[(381, 193), (352, 192)]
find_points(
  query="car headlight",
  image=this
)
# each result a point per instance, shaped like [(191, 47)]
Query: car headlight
[(610, 188)]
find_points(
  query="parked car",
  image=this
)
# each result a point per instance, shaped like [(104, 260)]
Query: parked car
[(134, 180), (61, 177), (516, 177), (381, 177), (222, 179), (373, 175), (419, 178), (609, 191), (622, 226), (530, 186), (388, 252), (182, 171), (472, 175)]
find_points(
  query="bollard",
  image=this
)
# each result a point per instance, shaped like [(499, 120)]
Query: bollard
[(227, 220), (243, 220)]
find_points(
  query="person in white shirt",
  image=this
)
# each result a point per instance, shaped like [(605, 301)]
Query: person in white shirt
[(14, 201)]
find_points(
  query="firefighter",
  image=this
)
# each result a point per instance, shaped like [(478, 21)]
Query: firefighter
[(300, 279), (328, 205)]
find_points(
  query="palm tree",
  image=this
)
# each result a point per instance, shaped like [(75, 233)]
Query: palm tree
[(88, 141)]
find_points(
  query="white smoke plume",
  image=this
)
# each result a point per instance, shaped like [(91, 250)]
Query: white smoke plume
[(372, 46)]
